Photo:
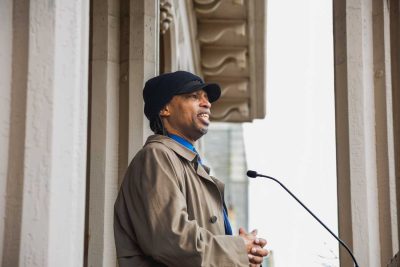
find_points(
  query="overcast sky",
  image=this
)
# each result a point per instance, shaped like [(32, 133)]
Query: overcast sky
[(296, 140)]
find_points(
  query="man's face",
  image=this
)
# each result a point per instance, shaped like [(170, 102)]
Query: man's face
[(187, 115)]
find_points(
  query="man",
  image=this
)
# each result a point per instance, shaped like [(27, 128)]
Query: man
[(170, 211)]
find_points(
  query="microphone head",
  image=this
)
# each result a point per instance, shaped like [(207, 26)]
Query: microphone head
[(252, 174)]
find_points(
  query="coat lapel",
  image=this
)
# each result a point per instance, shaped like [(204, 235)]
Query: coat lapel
[(203, 172)]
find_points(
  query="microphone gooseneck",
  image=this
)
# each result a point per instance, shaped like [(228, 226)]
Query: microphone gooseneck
[(254, 174)]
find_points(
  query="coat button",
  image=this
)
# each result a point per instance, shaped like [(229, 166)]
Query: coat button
[(213, 219)]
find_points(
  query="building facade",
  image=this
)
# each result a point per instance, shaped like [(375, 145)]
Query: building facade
[(71, 112)]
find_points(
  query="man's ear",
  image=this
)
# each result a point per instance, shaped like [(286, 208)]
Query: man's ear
[(164, 112)]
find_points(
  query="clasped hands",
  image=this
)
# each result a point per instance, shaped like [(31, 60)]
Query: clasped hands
[(254, 247)]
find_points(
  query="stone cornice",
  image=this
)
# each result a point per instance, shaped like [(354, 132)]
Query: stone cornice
[(230, 37)]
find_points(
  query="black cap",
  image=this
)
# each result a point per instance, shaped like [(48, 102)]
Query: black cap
[(158, 91)]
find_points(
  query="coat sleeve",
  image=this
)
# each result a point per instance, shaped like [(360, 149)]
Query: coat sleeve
[(158, 211)]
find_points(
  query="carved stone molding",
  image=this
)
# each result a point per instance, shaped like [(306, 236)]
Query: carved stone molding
[(166, 15), (231, 110), (206, 6), (209, 6), (211, 31), (234, 88), (229, 37), (216, 59)]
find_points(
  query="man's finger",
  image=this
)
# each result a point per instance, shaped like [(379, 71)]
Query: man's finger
[(260, 252), (255, 259), (261, 242)]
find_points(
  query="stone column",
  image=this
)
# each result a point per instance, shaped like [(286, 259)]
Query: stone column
[(6, 11), (55, 137), (14, 83), (362, 130), (143, 64), (105, 76), (395, 63), (139, 57), (383, 125), (124, 56)]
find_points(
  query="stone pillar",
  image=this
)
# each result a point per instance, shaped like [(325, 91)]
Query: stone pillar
[(383, 121), (104, 131), (124, 56), (143, 64), (395, 63), (6, 11), (53, 158), (14, 83), (361, 80)]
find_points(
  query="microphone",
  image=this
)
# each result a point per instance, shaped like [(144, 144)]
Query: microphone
[(254, 174)]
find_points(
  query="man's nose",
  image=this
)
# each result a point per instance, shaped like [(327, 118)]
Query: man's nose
[(205, 102)]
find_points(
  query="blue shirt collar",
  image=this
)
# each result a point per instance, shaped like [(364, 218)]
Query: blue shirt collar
[(182, 141)]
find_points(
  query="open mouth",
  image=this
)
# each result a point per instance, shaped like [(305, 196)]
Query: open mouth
[(204, 117)]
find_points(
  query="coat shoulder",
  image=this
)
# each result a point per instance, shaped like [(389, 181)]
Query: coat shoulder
[(157, 148)]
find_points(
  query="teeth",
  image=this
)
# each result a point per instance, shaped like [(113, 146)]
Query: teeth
[(203, 115)]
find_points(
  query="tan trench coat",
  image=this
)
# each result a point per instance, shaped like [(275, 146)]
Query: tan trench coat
[(169, 212)]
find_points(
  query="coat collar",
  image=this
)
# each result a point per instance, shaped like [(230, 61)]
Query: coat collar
[(172, 144), (181, 150), (202, 170)]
